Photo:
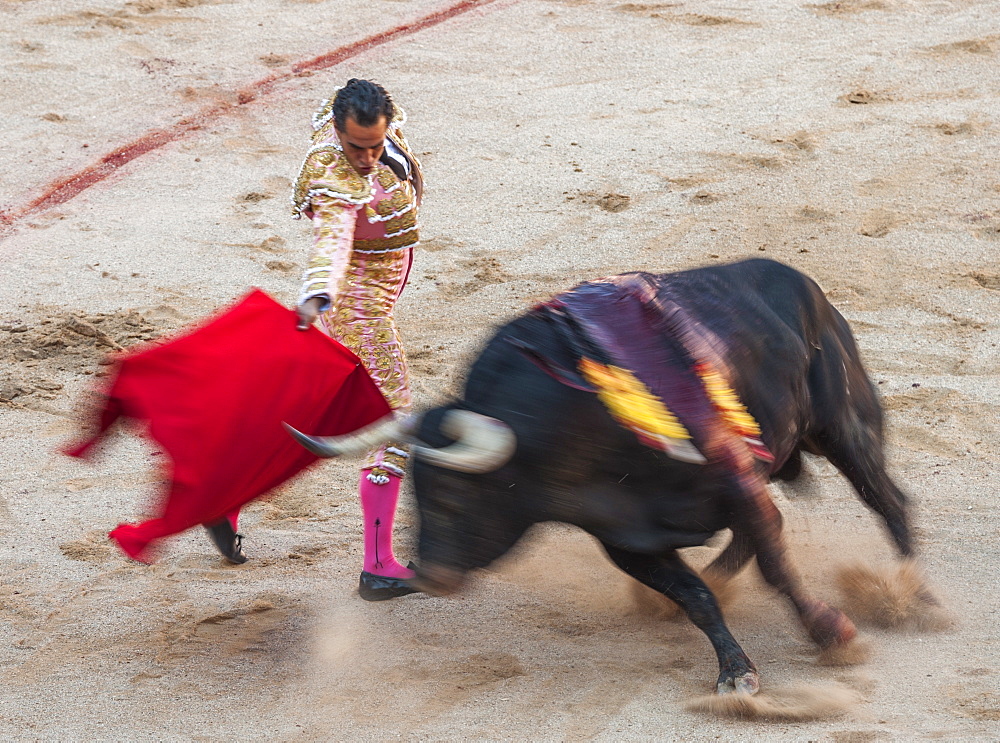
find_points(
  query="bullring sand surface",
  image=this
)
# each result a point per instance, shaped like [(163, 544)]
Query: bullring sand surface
[(562, 140)]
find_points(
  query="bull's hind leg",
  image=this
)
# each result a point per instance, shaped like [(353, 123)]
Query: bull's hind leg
[(855, 449), (761, 520), (674, 579), (848, 433), (854, 446), (827, 626), (848, 430)]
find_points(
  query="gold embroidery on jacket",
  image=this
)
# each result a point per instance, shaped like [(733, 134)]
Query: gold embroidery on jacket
[(401, 223), (399, 200), (385, 244), (326, 171), (388, 180)]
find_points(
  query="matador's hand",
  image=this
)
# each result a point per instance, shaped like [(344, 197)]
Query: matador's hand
[(308, 311)]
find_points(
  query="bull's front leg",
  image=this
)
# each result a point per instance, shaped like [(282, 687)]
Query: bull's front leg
[(674, 579)]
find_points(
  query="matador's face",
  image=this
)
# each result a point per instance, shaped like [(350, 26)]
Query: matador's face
[(363, 145)]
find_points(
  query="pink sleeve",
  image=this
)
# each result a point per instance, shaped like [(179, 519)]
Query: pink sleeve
[(333, 238)]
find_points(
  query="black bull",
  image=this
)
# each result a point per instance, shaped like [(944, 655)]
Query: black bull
[(792, 361)]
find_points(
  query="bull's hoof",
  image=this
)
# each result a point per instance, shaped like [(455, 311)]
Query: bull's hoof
[(827, 626), (747, 683)]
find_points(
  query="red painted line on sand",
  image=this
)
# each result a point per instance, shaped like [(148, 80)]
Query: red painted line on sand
[(63, 189)]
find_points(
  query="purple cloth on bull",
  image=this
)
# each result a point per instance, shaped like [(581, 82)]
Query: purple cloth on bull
[(630, 322)]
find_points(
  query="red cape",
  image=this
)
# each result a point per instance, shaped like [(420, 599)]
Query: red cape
[(214, 399)]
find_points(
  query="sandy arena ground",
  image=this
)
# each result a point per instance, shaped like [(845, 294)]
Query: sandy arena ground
[(562, 140)]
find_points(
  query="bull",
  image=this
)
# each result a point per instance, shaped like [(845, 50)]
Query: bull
[(530, 442)]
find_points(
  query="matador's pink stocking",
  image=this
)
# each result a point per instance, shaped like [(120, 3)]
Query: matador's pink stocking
[(378, 508)]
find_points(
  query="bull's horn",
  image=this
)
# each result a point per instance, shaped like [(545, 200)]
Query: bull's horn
[(482, 444), (380, 432)]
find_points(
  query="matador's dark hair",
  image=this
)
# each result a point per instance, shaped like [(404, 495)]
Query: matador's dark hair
[(364, 101)]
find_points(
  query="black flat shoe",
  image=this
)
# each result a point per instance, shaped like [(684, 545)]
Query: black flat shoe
[(227, 541), (373, 587)]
